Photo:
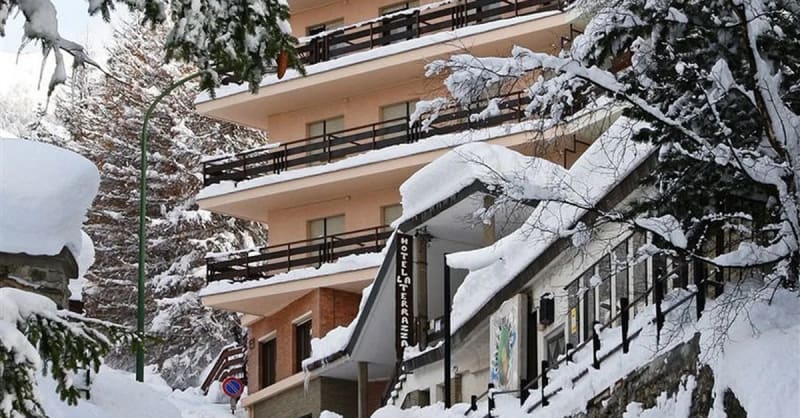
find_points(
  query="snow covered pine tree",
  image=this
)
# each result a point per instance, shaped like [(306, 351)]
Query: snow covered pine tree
[(229, 40), (719, 83), (104, 125)]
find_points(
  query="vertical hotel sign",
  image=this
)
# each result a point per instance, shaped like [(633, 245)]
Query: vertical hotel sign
[(404, 294)]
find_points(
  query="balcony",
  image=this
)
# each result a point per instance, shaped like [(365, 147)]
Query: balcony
[(374, 55), (333, 146), (413, 23), (269, 261)]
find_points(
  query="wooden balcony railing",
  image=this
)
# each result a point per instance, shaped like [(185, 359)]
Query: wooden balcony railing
[(412, 24), (269, 261), (337, 145), (232, 361)]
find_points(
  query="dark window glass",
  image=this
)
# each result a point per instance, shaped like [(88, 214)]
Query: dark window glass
[(604, 288), (267, 354), (639, 272), (588, 304), (621, 268), (302, 340), (681, 276), (660, 264)]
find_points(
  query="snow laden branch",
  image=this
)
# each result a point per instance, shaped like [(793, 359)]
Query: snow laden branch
[(36, 337), (229, 41), (718, 83)]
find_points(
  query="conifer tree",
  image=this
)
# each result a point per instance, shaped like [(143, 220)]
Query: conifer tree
[(103, 118), (718, 81)]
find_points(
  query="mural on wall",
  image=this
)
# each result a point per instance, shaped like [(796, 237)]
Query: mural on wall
[(505, 344)]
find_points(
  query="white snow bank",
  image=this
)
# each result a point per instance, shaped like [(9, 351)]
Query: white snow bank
[(759, 359), (45, 192), (116, 394), (376, 53), (607, 162), (344, 264), (402, 150)]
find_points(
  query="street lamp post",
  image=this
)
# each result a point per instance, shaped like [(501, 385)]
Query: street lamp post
[(142, 219)]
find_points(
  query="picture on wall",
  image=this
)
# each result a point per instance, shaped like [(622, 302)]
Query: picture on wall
[(506, 336)]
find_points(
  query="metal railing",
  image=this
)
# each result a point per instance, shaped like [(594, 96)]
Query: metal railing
[(414, 23), (269, 261), (658, 290), (332, 146)]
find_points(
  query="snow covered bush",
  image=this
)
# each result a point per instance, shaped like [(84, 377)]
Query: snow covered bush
[(229, 40), (35, 337), (718, 82)]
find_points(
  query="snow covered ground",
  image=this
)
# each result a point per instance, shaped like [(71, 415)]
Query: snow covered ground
[(116, 394)]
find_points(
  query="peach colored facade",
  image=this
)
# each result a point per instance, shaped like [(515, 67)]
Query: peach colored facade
[(360, 192)]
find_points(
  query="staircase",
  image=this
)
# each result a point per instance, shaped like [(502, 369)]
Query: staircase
[(231, 361)]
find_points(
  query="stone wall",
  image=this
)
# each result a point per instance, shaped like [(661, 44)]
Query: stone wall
[(46, 275), (324, 393), (664, 374)]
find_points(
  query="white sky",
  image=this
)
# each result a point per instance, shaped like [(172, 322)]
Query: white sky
[(19, 85), (74, 24)]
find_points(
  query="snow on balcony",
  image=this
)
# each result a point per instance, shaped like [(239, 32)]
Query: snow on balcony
[(380, 52), (342, 265)]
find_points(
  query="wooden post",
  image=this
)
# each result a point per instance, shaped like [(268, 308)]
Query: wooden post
[(659, 296), (544, 382), (363, 389), (490, 396), (523, 391), (625, 316), (595, 346)]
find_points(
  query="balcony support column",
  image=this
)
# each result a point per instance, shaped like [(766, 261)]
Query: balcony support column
[(421, 241), (363, 389)]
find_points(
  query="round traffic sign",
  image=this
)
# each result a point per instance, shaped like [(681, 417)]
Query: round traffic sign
[(233, 387)]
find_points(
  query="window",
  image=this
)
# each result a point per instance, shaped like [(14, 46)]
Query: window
[(396, 33), (302, 344), (604, 289), (323, 27), (319, 134), (589, 315), (390, 213), (573, 315), (639, 272), (266, 352), (555, 347), (325, 227), (395, 119), (620, 260)]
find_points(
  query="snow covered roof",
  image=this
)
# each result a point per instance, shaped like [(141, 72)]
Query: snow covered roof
[(384, 51), (607, 162), (495, 166), (45, 192)]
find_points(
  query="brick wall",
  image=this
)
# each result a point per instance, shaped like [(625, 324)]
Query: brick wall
[(329, 307)]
